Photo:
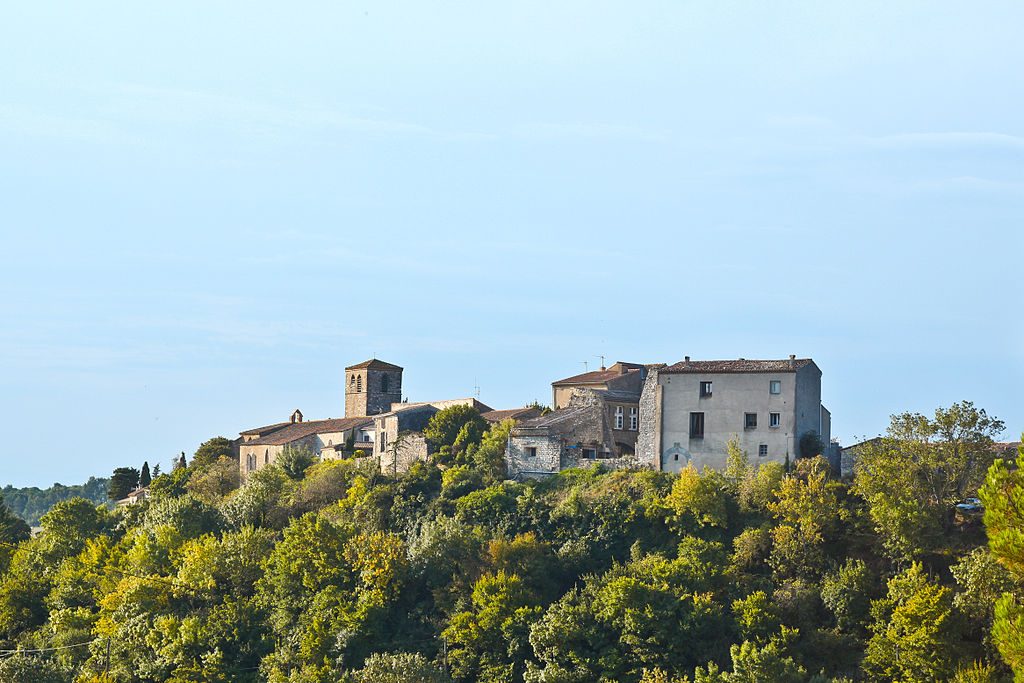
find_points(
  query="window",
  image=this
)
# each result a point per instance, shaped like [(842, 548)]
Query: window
[(675, 456), (705, 389), (774, 419), (353, 380), (633, 426), (762, 450), (618, 417), (384, 383), (775, 386), (750, 420), (531, 451), (266, 457), (383, 441), (696, 425), (590, 453), (359, 383)]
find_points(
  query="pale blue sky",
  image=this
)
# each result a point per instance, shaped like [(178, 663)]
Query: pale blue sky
[(209, 209)]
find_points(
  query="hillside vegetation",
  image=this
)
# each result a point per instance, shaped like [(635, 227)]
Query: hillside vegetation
[(31, 503), (317, 572)]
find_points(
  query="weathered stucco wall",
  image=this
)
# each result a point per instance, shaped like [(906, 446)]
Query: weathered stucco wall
[(733, 395)]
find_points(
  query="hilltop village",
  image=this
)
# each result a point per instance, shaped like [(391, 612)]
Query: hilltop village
[(661, 416)]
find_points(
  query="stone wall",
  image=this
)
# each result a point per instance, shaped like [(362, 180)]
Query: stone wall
[(410, 447), (547, 460), (370, 398), (648, 440)]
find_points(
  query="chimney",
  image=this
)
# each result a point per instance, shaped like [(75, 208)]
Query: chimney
[(686, 359), (792, 360)]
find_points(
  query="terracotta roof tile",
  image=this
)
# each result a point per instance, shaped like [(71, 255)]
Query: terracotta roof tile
[(592, 377), (373, 364), (740, 365), (513, 413), (300, 430)]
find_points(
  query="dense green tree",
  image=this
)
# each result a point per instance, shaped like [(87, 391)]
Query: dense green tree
[(400, 667), (336, 571), (488, 457), (144, 476), (698, 501), (847, 593), (914, 634), (214, 482), (123, 481), (489, 642), (914, 476), (809, 515), (294, 461), (32, 503), (13, 530), (453, 430), (1003, 497), (212, 450), (28, 668), (981, 582)]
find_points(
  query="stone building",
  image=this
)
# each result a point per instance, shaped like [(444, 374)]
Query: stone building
[(399, 439), (689, 411), (371, 387), (622, 377), (517, 414), (325, 438), (581, 433)]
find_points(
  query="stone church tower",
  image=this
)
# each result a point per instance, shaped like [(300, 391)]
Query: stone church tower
[(371, 387)]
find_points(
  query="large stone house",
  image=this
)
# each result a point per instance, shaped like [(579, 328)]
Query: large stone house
[(690, 410)]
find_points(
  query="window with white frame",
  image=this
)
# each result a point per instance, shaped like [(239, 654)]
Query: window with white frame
[(618, 417), (633, 419), (775, 386), (762, 450), (774, 419)]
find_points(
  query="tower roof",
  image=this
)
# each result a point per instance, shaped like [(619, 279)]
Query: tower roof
[(374, 364)]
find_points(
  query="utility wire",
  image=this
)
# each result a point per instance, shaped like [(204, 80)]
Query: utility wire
[(48, 649)]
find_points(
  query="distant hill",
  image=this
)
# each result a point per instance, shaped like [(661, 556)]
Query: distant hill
[(33, 502)]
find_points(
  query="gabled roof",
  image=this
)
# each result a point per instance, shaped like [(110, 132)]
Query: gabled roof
[(299, 430), (592, 377), (513, 414), (265, 430), (740, 365), (373, 364)]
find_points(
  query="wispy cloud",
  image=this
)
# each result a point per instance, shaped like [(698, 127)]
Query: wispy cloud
[(591, 131), (34, 123), (953, 139)]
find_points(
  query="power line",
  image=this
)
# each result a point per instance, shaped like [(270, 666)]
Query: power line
[(47, 649)]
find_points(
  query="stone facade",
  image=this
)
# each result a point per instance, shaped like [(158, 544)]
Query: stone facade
[(578, 435), (689, 411), (621, 377), (371, 387), (326, 438)]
